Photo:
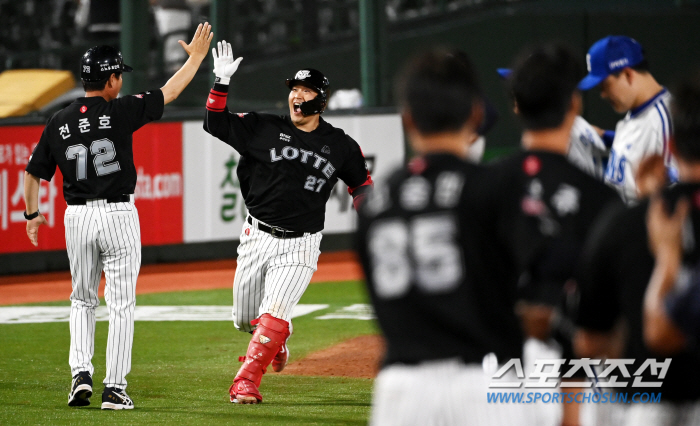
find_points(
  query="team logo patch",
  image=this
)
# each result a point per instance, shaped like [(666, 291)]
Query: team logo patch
[(325, 149), (86, 68), (302, 75), (417, 165), (247, 231), (285, 138), (264, 339), (83, 109), (532, 165), (211, 101)]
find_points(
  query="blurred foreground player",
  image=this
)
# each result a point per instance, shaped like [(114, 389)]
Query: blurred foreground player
[(428, 273), (672, 301), (542, 202), (91, 143)]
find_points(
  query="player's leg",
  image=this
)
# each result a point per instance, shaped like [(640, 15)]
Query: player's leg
[(254, 250), (86, 269), (121, 243), (287, 278), (288, 275), (270, 334)]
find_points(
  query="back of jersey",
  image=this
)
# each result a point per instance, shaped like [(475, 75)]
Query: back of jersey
[(430, 267), (91, 142)]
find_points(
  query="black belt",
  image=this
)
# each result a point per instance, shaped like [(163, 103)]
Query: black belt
[(277, 232), (116, 199)]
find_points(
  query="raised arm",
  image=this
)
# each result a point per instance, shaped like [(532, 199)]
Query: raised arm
[(215, 119), (197, 49)]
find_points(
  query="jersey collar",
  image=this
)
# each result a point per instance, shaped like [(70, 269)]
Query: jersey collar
[(636, 111)]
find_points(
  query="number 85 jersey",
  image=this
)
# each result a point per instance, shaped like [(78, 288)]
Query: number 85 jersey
[(439, 284), (91, 143)]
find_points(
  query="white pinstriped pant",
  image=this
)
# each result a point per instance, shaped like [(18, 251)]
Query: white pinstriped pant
[(271, 274), (440, 393), (99, 236)]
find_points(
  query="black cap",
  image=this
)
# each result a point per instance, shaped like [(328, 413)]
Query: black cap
[(99, 62)]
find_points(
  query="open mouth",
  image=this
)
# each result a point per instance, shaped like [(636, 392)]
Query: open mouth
[(297, 107)]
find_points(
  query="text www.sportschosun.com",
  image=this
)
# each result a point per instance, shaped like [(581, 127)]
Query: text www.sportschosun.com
[(571, 397)]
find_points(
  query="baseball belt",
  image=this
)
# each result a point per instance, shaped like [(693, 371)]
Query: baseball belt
[(276, 231), (83, 201)]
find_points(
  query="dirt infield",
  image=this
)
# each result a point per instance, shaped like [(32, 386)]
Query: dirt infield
[(160, 278), (358, 357)]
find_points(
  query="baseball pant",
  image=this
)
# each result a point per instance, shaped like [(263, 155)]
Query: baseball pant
[(649, 414), (442, 392), (271, 274), (101, 235)]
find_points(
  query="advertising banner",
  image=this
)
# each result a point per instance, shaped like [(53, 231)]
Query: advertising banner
[(158, 160)]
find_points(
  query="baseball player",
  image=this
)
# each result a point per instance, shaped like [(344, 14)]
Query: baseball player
[(618, 65), (91, 143), (587, 150), (442, 292), (290, 164), (544, 203), (616, 267)]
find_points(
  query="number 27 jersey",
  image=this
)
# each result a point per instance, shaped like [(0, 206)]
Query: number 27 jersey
[(289, 173), (91, 143)]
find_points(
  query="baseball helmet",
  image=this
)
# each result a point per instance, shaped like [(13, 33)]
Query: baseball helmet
[(313, 79), (99, 62)]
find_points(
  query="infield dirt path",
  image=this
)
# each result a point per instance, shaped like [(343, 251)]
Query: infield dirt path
[(159, 278)]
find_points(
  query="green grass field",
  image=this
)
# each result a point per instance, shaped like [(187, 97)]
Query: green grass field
[(181, 371)]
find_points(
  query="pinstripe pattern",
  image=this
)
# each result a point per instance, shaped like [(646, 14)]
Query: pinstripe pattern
[(103, 236), (272, 274), (444, 393)]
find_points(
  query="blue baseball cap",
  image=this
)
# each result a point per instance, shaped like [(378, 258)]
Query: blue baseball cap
[(608, 56), (504, 72)]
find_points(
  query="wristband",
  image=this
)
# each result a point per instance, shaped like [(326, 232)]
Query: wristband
[(222, 80), (31, 216)]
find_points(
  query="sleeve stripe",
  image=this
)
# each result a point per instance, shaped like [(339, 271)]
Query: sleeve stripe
[(666, 130)]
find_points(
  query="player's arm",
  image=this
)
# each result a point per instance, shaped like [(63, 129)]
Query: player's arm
[(31, 202), (359, 180), (216, 120), (660, 333), (597, 311), (197, 50)]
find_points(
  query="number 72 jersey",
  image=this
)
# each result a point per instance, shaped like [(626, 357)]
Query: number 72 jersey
[(91, 143)]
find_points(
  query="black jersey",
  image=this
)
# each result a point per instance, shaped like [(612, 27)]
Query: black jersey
[(612, 279), (91, 142), (288, 174), (439, 285), (543, 208)]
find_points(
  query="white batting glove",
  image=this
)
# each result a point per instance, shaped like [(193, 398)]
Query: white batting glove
[(224, 65)]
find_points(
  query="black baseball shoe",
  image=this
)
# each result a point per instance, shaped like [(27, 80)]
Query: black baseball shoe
[(80, 390), (116, 399)]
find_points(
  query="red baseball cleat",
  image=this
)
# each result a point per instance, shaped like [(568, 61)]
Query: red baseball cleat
[(244, 391), (280, 359)]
